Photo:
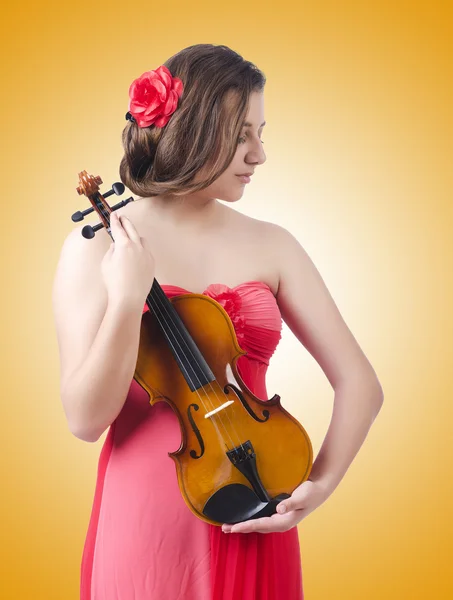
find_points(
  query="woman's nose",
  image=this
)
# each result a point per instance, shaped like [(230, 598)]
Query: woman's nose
[(257, 156)]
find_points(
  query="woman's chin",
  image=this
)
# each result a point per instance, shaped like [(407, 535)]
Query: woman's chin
[(232, 197)]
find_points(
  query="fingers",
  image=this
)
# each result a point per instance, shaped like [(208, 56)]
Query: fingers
[(118, 233), (286, 506), (297, 500), (276, 522), (122, 229), (128, 226)]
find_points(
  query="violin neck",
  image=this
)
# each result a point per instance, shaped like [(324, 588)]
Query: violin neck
[(190, 360)]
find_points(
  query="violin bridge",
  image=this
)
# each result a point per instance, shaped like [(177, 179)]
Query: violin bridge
[(216, 410)]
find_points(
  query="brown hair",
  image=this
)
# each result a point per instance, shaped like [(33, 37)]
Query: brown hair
[(201, 135)]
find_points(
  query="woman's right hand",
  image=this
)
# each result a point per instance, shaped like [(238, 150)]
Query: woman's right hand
[(128, 266)]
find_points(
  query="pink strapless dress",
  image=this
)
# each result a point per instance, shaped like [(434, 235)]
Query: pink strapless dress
[(143, 542)]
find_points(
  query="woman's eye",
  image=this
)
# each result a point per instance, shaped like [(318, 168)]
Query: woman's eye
[(241, 140)]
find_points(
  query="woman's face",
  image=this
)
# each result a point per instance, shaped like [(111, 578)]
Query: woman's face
[(249, 154)]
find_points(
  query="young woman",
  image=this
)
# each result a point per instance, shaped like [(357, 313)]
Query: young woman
[(191, 144)]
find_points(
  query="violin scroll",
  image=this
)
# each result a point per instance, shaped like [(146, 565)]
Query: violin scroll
[(89, 186)]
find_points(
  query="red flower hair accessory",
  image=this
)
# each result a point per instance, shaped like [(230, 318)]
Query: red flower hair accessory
[(153, 97)]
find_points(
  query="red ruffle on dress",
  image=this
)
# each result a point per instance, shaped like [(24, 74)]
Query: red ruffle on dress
[(143, 542)]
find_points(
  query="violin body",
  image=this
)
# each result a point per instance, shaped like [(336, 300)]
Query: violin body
[(239, 455), (210, 480)]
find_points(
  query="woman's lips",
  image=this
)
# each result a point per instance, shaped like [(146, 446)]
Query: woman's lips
[(244, 178)]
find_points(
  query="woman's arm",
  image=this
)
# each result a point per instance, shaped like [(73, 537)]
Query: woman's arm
[(310, 312), (312, 315), (98, 338)]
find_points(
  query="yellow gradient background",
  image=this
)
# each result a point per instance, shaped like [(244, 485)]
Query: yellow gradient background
[(359, 168)]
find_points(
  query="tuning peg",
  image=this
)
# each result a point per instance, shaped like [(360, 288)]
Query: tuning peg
[(80, 214), (88, 231), (117, 188)]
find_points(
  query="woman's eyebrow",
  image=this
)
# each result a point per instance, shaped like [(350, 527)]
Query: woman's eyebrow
[(247, 124)]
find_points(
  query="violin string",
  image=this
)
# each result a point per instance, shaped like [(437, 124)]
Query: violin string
[(216, 415), (239, 436)]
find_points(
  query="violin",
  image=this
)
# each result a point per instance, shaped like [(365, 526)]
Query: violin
[(239, 455)]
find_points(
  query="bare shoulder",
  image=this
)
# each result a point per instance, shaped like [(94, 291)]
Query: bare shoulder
[(79, 256), (309, 309), (76, 244), (79, 297), (78, 267), (258, 230), (256, 237)]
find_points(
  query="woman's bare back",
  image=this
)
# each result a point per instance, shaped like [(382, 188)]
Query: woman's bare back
[(229, 248)]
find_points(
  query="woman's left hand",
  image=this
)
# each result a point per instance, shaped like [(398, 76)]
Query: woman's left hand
[(304, 500)]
